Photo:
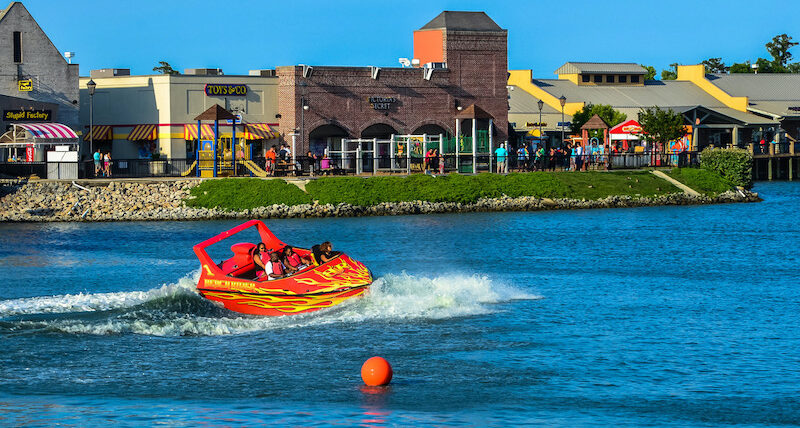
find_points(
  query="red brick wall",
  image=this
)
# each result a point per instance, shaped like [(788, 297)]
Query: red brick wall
[(476, 74)]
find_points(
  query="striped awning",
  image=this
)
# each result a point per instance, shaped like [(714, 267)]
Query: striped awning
[(99, 133), (259, 131), (143, 132), (50, 131), (190, 132)]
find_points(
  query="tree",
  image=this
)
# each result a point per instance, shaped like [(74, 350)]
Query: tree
[(165, 68), (606, 112), (661, 126), (715, 65), (779, 49), (741, 67), (670, 74), (651, 72)]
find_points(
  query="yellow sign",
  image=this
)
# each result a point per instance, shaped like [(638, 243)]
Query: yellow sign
[(25, 85)]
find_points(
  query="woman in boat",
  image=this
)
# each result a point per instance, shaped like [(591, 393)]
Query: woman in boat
[(293, 261), (261, 257), (323, 252)]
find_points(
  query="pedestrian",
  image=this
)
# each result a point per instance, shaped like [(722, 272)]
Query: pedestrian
[(269, 166), (569, 158), (522, 158), (501, 153), (107, 164), (441, 162), (97, 162)]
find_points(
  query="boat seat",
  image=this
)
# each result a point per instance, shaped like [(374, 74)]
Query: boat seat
[(242, 260)]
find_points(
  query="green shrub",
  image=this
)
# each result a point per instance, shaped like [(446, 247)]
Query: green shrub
[(735, 165), (245, 193), (704, 181)]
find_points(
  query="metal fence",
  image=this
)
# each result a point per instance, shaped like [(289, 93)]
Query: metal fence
[(365, 164)]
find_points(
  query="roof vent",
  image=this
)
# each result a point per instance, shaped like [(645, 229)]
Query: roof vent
[(110, 72)]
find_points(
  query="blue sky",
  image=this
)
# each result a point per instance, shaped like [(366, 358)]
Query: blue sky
[(542, 35)]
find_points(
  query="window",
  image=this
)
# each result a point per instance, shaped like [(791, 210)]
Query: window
[(610, 78), (585, 78), (623, 79), (635, 78), (17, 46), (598, 78)]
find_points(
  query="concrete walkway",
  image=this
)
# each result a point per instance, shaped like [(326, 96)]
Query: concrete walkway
[(686, 189)]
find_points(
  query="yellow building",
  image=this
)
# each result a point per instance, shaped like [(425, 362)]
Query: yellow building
[(153, 115)]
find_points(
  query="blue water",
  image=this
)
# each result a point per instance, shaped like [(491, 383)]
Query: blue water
[(668, 316)]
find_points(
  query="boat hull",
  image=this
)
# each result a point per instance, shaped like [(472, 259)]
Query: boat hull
[(309, 290)]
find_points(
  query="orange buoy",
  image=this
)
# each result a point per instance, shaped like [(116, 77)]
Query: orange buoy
[(376, 371)]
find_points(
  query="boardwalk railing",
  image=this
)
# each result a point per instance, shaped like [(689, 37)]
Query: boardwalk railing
[(366, 164)]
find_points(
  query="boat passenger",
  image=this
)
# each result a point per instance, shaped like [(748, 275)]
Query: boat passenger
[(261, 256), (274, 269), (293, 261), (323, 252)]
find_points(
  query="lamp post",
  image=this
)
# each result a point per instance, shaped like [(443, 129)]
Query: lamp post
[(90, 85), (303, 108), (540, 103), (563, 101)]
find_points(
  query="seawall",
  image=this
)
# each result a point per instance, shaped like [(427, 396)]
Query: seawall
[(45, 201)]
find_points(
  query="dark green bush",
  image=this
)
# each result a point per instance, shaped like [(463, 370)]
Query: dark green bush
[(735, 165), (245, 193)]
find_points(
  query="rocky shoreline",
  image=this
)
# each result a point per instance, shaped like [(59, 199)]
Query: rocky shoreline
[(42, 201)]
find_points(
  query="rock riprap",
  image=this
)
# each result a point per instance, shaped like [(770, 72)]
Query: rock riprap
[(43, 201)]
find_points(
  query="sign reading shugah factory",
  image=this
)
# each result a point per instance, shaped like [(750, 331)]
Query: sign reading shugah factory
[(226, 89), (26, 115), (382, 103)]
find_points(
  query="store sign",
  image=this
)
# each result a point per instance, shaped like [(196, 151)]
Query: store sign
[(226, 89), (632, 129), (25, 85), (382, 103), (535, 124), (26, 115)]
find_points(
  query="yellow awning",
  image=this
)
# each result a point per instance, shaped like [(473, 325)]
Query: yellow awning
[(259, 131), (98, 133), (143, 132)]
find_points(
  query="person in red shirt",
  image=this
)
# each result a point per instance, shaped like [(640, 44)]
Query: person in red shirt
[(270, 165)]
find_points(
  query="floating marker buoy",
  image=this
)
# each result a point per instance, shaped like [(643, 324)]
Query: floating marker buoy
[(376, 371)]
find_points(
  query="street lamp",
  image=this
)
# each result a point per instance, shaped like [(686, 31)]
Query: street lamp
[(541, 105), (90, 85), (563, 101), (303, 108)]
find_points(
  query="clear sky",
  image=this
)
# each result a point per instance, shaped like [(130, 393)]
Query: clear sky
[(238, 36)]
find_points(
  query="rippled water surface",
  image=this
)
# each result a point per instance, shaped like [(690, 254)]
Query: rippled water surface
[(669, 316)]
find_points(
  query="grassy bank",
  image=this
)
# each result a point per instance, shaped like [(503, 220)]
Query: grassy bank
[(239, 194), (245, 193), (704, 181)]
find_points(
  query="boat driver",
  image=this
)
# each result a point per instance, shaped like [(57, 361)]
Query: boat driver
[(323, 252)]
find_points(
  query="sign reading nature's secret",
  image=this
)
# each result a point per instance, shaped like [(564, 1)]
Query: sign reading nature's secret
[(226, 89), (382, 103)]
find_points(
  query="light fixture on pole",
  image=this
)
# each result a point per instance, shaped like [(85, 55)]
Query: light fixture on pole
[(303, 108), (540, 103), (563, 101), (91, 86)]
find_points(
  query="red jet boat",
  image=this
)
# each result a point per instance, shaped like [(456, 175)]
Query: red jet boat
[(234, 282)]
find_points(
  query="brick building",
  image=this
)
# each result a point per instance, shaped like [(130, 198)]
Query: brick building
[(462, 63)]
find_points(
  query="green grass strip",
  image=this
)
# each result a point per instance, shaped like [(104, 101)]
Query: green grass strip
[(470, 188), (702, 180), (239, 194)]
